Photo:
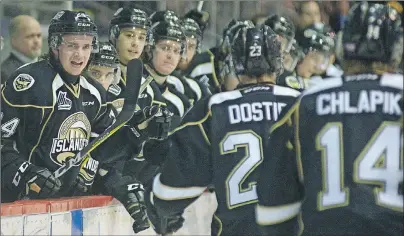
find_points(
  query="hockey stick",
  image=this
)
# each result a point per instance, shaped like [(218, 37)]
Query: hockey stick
[(134, 75), (200, 5)]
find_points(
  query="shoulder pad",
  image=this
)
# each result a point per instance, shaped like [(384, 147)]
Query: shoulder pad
[(292, 82), (114, 89), (30, 85)]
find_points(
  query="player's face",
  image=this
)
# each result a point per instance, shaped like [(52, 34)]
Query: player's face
[(74, 52), (130, 44), (166, 56), (313, 63), (191, 50), (102, 74)]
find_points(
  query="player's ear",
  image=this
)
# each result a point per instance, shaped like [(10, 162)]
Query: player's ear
[(55, 53)]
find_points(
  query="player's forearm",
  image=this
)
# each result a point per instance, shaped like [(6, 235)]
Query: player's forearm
[(12, 165)]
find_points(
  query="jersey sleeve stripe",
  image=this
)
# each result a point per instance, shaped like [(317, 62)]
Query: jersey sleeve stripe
[(266, 215), (284, 91), (286, 117), (165, 192), (222, 97), (392, 80), (203, 69), (326, 84), (191, 123)]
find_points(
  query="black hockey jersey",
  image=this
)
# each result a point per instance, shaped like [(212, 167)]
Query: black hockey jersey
[(220, 142), (147, 98), (204, 68), (46, 120), (191, 88), (334, 161)]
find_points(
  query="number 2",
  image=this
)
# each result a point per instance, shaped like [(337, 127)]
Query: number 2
[(237, 196), (379, 163)]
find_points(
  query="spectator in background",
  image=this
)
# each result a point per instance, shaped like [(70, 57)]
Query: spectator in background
[(309, 13), (26, 44)]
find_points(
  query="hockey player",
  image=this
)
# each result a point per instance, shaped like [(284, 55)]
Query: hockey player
[(220, 142), (334, 160), (165, 49), (317, 48), (193, 89), (284, 28), (50, 112), (104, 65), (128, 31), (210, 67)]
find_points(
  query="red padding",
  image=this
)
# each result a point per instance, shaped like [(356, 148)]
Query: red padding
[(53, 205)]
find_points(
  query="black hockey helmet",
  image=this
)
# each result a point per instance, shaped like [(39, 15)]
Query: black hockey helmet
[(70, 22), (373, 32), (284, 28), (256, 51), (228, 34), (127, 18), (167, 31), (191, 29), (106, 56), (317, 37), (168, 16)]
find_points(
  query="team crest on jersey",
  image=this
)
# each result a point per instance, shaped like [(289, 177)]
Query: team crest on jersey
[(293, 82), (23, 82), (64, 103), (73, 135)]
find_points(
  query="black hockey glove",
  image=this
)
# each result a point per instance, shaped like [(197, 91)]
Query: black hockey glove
[(150, 123), (162, 225), (131, 194), (40, 182)]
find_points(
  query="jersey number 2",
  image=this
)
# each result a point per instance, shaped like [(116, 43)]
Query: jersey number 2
[(235, 194), (379, 163)]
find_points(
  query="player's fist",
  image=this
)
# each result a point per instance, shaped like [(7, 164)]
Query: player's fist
[(40, 183), (201, 17)]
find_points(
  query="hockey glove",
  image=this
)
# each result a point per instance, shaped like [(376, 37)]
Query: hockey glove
[(40, 183), (162, 225), (150, 123), (201, 17)]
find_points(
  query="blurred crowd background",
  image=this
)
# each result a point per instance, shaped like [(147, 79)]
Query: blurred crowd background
[(221, 12)]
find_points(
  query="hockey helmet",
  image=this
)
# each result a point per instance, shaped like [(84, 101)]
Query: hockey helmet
[(256, 51), (373, 32), (284, 28), (70, 22), (127, 18), (106, 56)]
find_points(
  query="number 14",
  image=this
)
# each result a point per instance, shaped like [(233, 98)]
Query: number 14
[(379, 163)]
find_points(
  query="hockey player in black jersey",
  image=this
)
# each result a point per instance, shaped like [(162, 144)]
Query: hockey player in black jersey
[(334, 160), (104, 65), (220, 141), (192, 88), (128, 32), (317, 47), (50, 111)]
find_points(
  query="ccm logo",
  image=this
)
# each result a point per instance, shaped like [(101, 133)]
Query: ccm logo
[(83, 24)]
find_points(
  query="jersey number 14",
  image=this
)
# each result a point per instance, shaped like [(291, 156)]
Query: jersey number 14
[(379, 163)]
